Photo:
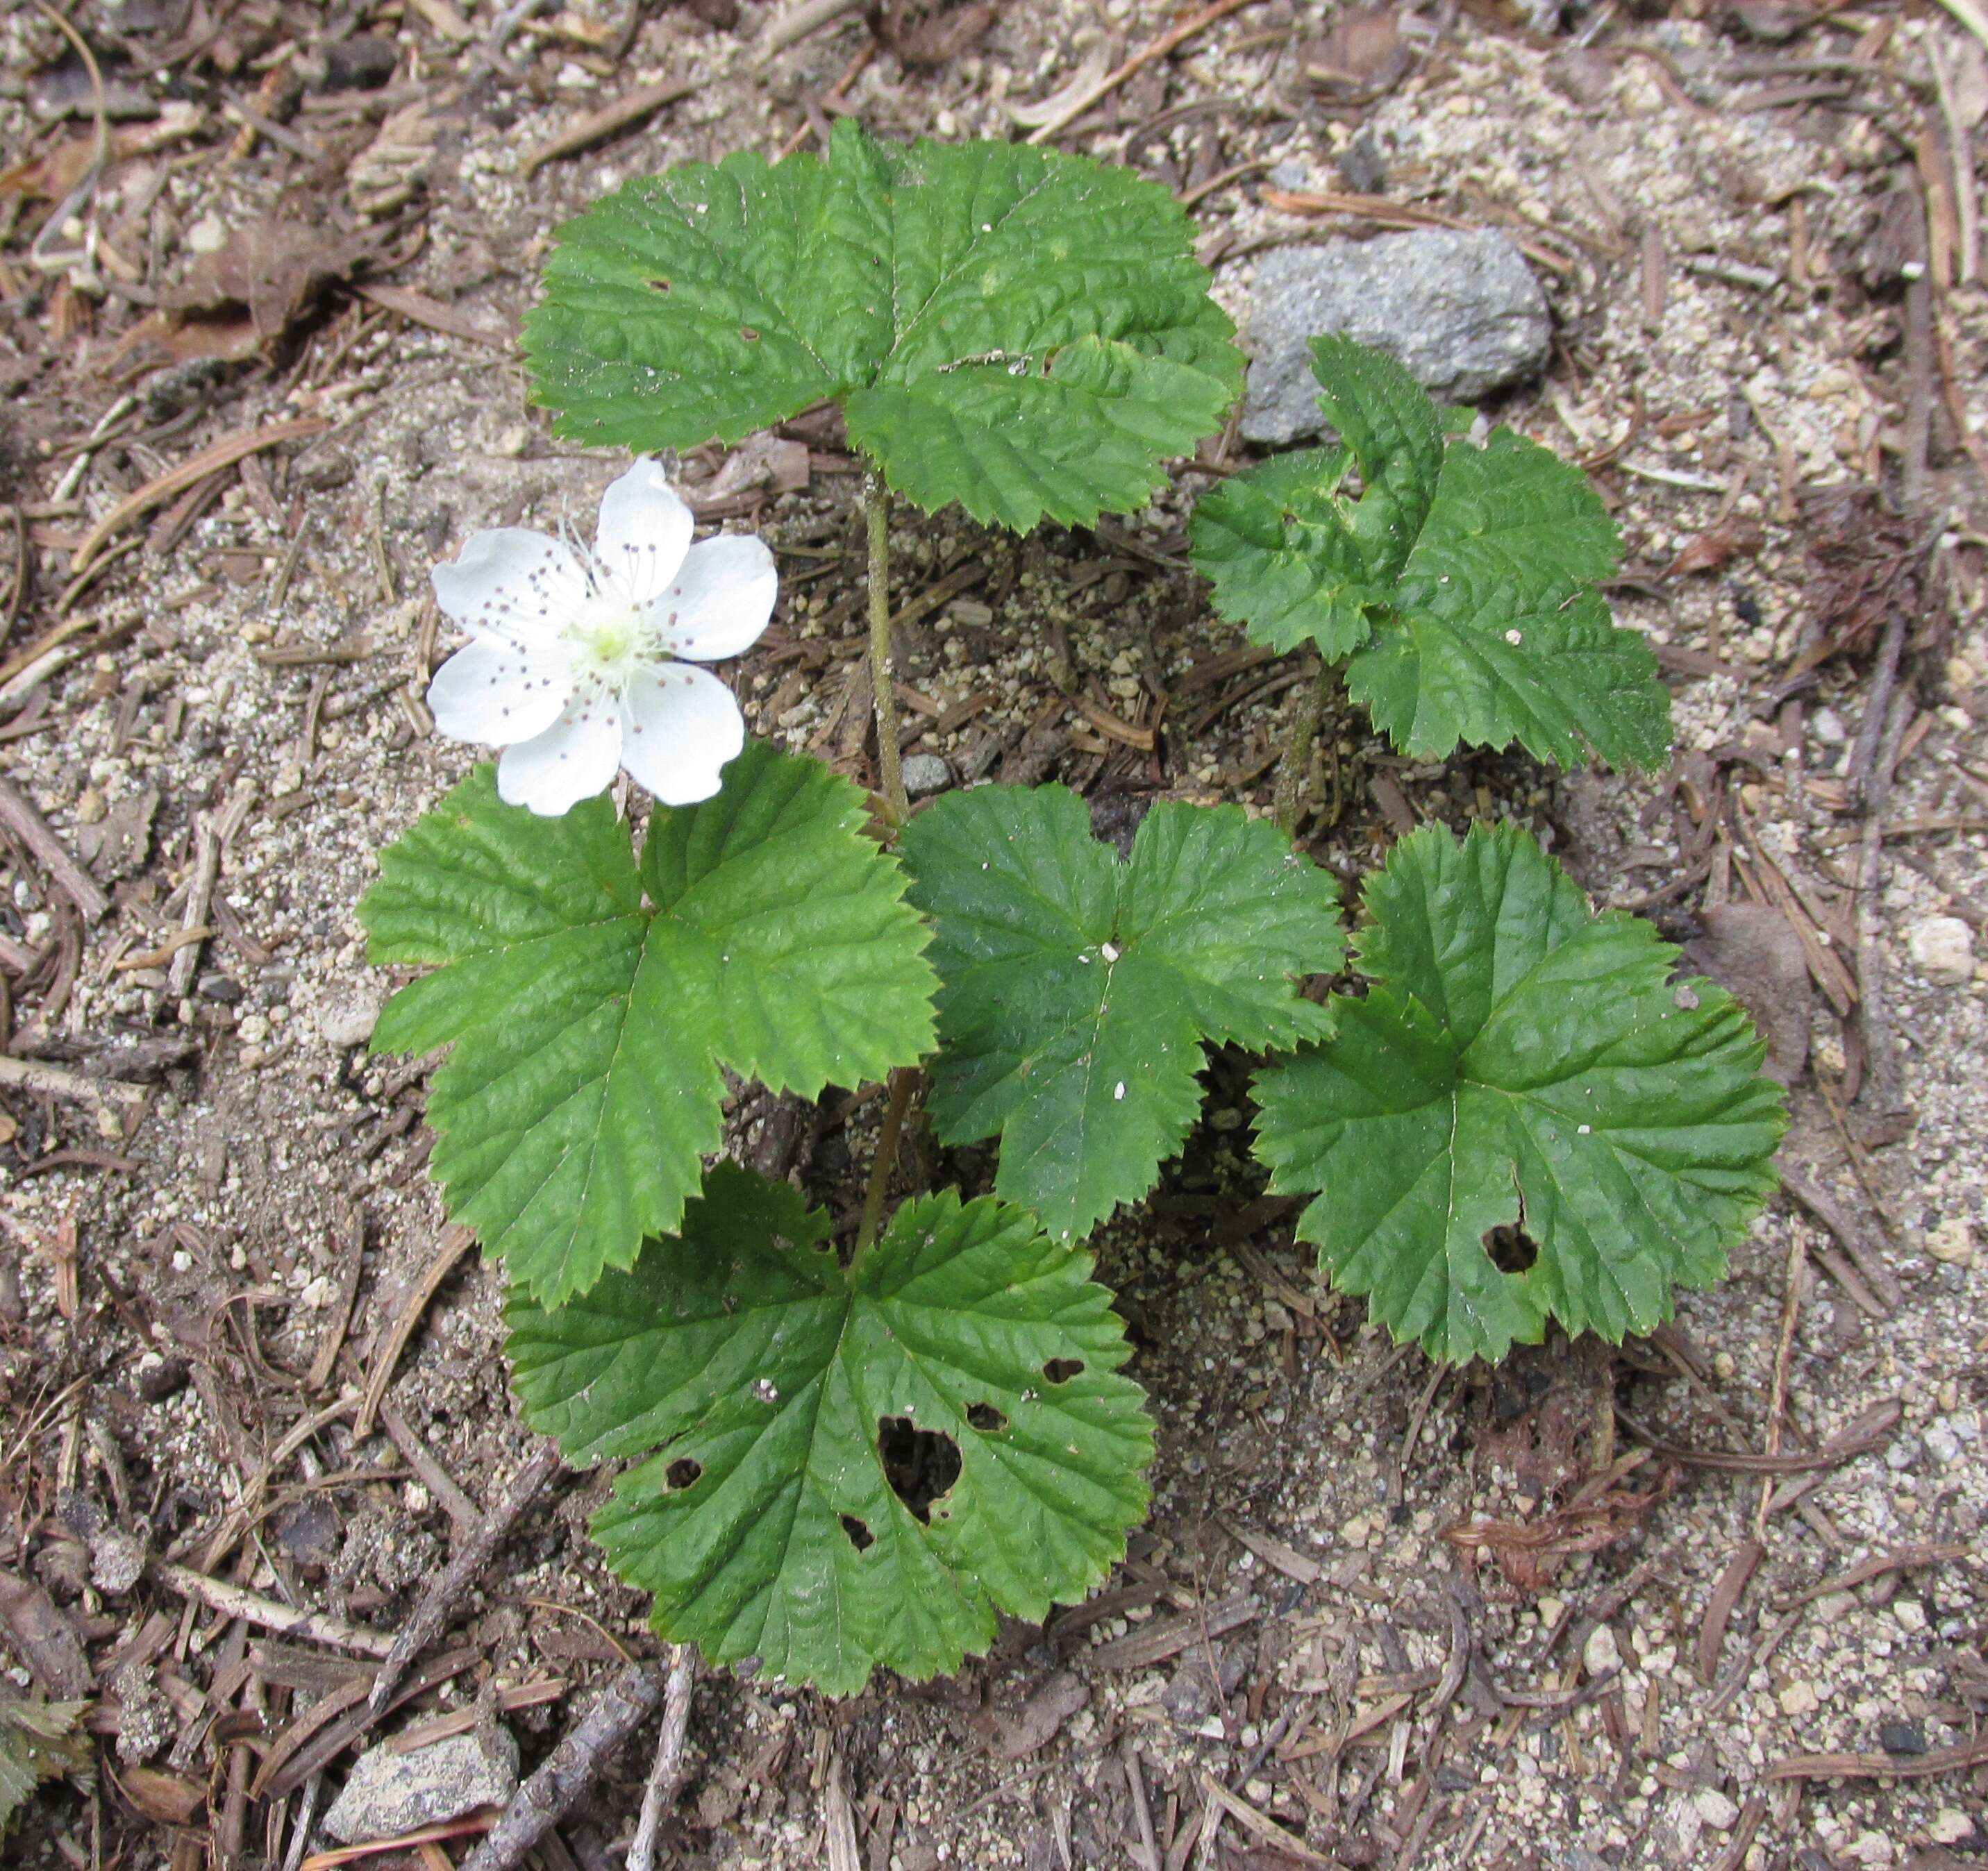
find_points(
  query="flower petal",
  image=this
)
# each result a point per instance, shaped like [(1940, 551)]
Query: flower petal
[(720, 600), (511, 582), (644, 531), (573, 760), (494, 692), (680, 726)]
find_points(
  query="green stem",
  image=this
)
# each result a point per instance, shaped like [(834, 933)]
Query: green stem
[(877, 508), (1294, 767), (904, 1082)]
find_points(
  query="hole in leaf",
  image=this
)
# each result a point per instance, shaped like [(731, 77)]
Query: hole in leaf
[(749, 334), (683, 1472), (661, 285), (1061, 1370), (985, 1418), (860, 1536), (920, 1465), (1512, 1249)]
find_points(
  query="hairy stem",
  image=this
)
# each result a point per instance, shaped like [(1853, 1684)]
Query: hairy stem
[(877, 508), (1294, 767), (904, 1082)]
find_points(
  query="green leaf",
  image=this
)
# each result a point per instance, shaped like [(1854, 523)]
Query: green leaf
[(590, 1006), (1520, 1062), (1024, 331), (1459, 587), (780, 1392), (38, 1740), (1079, 991)]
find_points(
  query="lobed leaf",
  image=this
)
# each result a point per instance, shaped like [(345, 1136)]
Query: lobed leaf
[(591, 1005), (851, 1467), (1021, 331), (1078, 991), (1458, 586), (1520, 1063)]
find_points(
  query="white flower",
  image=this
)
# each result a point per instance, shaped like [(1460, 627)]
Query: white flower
[(577, 667)]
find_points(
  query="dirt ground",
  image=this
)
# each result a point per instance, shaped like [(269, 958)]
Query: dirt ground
[(1713, 1599)]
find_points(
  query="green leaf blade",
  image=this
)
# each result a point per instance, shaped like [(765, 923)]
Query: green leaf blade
[(1521, 1062), (765, 1375), (703, 302), (1078, 992), (1282, 560), (588, 1025), (1020, 330), (1459, 588)]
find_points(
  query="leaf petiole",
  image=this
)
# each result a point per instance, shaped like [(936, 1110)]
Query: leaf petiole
[(904, 1082), (890, 777), (1293, 782)]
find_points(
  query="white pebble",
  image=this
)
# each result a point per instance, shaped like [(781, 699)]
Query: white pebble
[(1942, 950)]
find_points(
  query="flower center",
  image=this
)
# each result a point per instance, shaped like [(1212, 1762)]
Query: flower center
[(608, 639)]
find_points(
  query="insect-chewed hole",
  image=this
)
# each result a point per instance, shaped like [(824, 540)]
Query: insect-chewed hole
[(659, 285), (683, 1472), (1512, 1249), (860, 1536), (920, 1465), (749, 334), (985, 1418), (1061, 1370)]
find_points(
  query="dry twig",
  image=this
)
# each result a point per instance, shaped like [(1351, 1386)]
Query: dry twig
[(666, 1777), (1168, 42), (234, 1602), (570, 1769), (439, 1599)]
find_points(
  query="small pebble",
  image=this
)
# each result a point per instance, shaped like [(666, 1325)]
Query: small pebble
[(161, 1378), (1952, 1242), (1601, 1652), (1942, 950), (349, 1017), (1717, 1810), (924, 774)]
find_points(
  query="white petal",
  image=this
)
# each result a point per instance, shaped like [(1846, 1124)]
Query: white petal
[(720, 600), (494, 692), (680, 725), (644, 532), (573, 760), (521, 584)]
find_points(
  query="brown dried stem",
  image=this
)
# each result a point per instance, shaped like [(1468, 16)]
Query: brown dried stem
[(570, 1769)]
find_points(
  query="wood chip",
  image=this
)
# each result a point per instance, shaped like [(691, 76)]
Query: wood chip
[(223, 454), (609, 121), (1261, 1824), (456, 1240), (1724, 1596), (1274, 1553), (51, 853), (1962, 1759), (46, 1639), (1139, 1649)]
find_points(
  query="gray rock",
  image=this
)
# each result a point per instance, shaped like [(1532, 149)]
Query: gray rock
[(924, 773), (348, 1017), (387, 1794), (1462, 310)]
